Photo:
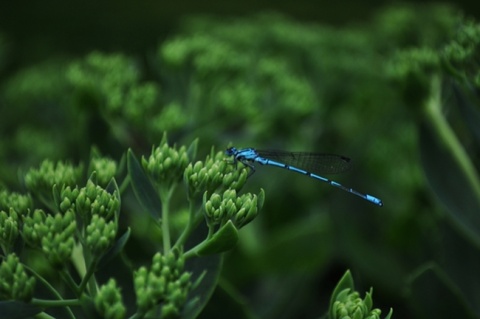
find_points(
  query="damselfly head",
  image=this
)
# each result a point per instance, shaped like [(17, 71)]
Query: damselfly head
[(231, 151)]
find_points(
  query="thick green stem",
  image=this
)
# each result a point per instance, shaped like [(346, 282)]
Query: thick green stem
[(87, 277), (193, 220), (56, 303), (433, 111), (51, 289), (165, 196)]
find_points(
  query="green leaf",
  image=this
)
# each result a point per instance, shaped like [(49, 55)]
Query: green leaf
[(17, 310), (114, 250), (93, 178), (121, 165), (346, 282), (142, 187), (450, 184), (192, 150), (224, 239), (209, 267), (112, 187)]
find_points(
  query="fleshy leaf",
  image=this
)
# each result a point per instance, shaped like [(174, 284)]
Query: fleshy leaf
[(345, 283), (192, 150), (224, 239), (93, 178), (142, 187), (450, 184), (114, 250), (209, 267), (390, 313)]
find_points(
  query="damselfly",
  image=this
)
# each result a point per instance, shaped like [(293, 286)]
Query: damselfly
[(310, 164)]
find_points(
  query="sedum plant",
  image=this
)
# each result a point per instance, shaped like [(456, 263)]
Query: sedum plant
[(74, 232), (346, 302)]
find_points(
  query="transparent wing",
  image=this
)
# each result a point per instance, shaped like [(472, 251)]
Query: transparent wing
[(318, 163)]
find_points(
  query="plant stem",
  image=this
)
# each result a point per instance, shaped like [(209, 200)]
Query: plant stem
[(44, 315), (165, 196), (70, 282), (447, 136), (88, 275), (193, 220), (51, 288), (55, 303)]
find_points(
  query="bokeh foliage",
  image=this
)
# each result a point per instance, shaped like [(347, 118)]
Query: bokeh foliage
[(398, 93)]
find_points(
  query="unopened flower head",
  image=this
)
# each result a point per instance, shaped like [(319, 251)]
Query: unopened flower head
[(100, 234), (58, 240), (105, 169), (108, 301), (165, 282), (166, 164), (15, 283), (41, 180), (215, 174), (9, 223), (348, 304), (94, 200), (229, 206)]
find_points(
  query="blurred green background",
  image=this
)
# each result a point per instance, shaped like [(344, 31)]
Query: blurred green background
[(285, 75)]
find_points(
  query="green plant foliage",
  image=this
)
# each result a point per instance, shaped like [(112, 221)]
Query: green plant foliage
[(108, 301), (346, 303), (102, 215), (79, 227), (16, 284)]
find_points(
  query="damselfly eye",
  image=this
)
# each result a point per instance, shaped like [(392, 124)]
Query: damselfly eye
[(230, 151)]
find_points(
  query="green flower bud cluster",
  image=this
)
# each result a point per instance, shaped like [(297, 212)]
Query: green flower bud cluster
[(15, 283), (108, 301), (21, 203), (68, 197), (114, 72), (166, 282), (414, 62), (171, 117), (8, 229), (349, 305), (240, 209), (34, 228), (97, 210), (466, 43), (140, 100), (94, 200), (42, 179), (215, 174), (100, 234), (12, 207), (53, 234), (166, 164), (105, 169)]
